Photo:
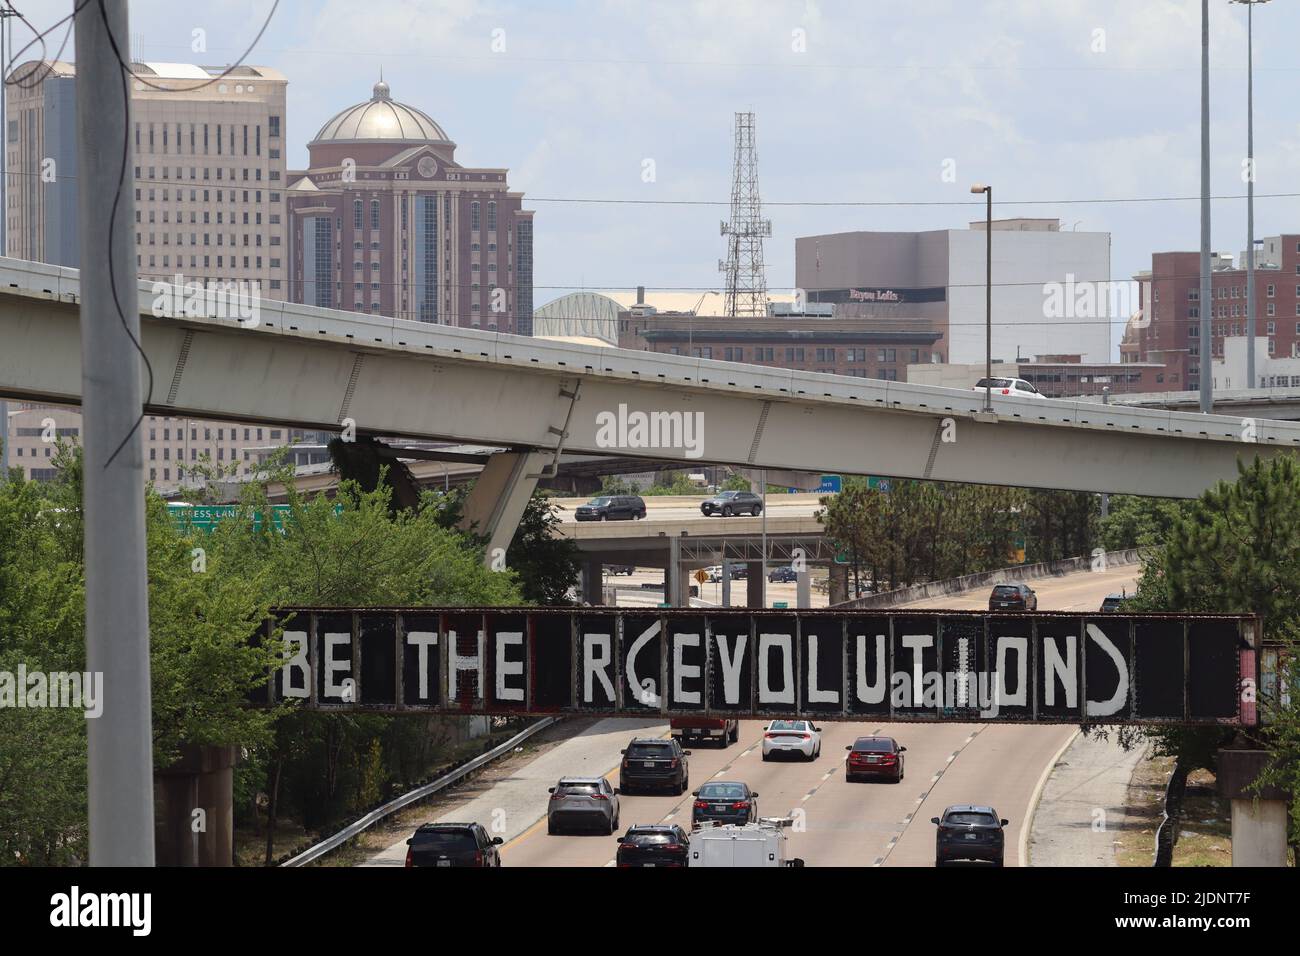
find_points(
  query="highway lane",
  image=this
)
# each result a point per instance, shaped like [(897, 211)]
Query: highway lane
[(869, 823)]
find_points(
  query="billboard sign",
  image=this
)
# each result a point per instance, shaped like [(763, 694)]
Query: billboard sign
[(1044, 667)]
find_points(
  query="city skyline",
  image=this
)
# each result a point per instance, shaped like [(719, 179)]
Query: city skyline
[(585, 101)]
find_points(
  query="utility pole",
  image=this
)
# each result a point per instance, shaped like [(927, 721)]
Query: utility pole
[(6, 12), (1250, 190), (1206, 382), (120, 741)]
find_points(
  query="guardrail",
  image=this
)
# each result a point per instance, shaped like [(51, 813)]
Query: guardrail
[(968, 582), (332, 843)]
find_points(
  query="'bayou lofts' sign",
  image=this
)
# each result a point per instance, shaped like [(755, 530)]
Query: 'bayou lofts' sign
[(1037, 667)]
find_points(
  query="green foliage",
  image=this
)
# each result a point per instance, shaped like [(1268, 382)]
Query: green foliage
[(1236, 550), (1136, 522), (208, 593), (925, 531)]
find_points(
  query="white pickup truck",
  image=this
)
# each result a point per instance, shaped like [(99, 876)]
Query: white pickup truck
[(752, 844)]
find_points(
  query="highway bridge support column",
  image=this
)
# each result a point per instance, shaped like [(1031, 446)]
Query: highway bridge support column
[(593, 591), (196, 818), (754, 584), (726, 584), (803, 588), (675, 576), (498, 498), (1259, 818)]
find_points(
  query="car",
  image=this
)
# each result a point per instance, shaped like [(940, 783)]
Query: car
[(792, 737), (874, 757), (730, 503), (621, 569), (1113, 602), (722, 802), (652, 763), (1013, 597), (783, 574), (721, 729), (582, 802), (1008, 386), (611, 508), (969, 832), (659, 844), (453, 844), (714, 571)]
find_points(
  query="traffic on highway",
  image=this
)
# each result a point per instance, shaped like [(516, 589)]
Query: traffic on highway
[(844, 793)]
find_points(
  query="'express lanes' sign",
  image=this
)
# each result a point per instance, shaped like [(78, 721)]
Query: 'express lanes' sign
[(902, 666)]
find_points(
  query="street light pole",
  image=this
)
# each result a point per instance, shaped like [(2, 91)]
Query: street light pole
[(1250, 190), (1206, 383), (988, 293), (120, 741)]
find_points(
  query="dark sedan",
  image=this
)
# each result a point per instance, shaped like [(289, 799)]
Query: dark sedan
[(874, 757), (733, 503), (968, 832), (721, 802), (653, 845)]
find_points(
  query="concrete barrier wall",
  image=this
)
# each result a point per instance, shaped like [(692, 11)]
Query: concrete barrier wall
[(968, 582)]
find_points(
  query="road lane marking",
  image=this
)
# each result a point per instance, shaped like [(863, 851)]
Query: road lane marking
[(912, 817), (1032, 807)]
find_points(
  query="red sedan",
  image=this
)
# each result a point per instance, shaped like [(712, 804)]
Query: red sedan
[(874, 757)]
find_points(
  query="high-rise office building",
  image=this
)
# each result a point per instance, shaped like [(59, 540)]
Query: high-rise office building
[(387, 222), (208, 156)]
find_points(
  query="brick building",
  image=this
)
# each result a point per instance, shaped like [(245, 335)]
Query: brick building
[(387, 222), (1173, 333)]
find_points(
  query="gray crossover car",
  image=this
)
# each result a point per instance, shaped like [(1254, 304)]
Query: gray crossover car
[(588, 803)]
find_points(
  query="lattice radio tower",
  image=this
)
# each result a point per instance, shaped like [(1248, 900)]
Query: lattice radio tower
[(746, 293)]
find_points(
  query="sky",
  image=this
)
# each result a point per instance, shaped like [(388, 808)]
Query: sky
[(861, 107)]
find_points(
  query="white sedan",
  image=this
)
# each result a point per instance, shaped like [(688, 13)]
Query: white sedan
[(790, 737)]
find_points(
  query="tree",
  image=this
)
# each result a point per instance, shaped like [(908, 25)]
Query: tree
[(1236, 549), (852, 519)]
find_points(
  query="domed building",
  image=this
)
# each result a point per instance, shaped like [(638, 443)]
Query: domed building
[(387, 222)]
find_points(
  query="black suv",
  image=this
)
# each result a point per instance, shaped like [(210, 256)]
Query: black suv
[(733, 503), (611, 508), (660, 844), (453, 844), (654, 763), (783, 575), (969, 832), (1013, 597)]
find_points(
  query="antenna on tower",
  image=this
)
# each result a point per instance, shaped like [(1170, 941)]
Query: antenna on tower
[(746, 293)]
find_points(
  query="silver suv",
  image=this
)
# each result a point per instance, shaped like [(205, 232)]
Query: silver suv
[(582, 802)]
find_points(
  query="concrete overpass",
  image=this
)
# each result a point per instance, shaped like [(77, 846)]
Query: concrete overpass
[(317, 368), (1280, 404), (675, 536)]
